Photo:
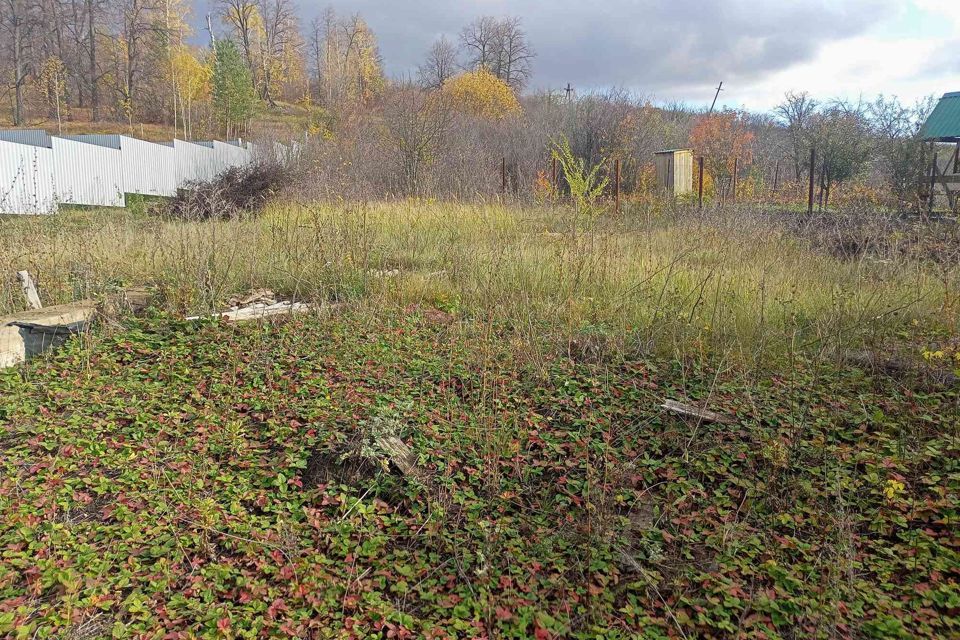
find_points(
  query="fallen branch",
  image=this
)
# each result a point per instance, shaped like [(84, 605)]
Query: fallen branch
[(692, 411)]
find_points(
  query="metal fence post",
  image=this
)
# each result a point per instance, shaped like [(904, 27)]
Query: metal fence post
[(700, 181), (736, 170), (616, 185)]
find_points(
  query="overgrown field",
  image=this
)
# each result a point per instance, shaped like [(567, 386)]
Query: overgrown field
[(161, 478), (736, 283)]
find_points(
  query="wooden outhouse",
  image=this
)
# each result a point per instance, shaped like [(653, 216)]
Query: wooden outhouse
[(942, 131), (675, 171)]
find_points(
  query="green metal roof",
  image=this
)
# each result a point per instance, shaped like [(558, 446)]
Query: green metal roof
[(944, 122)]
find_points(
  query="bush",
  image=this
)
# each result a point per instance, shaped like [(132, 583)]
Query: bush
[(234, 193)]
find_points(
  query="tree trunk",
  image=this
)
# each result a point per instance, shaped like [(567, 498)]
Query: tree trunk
[(820, 194), (75, 72), (92, 61), (18, 71)]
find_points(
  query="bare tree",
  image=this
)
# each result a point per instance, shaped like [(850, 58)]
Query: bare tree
[(75, 26), (841, 134), (138, 21), (440, 65), (479, 40), (19, 19), (347, 59), (241, 15), (416, 123), (93, 8), (796, 113), (280, 36), (315, 46), (501, 47), (323, 45), (899, 157), (514, 55)]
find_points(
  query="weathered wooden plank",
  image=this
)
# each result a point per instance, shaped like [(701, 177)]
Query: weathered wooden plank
[(29, 290), (260, 312), (696, 412), (399, 453)]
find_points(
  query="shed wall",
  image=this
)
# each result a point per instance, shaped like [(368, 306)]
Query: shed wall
[(682, 172), (664, 165), (674, 171)]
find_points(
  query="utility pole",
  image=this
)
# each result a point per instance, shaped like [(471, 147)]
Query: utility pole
[(717, 95), (569, 92)]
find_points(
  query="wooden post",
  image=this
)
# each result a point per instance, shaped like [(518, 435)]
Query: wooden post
[(503, 176), (933, 182), (553, 173), (700, 181), (616, 185), (733, 185), (813, 165), (29, 290), (776, 177), (956, 159)]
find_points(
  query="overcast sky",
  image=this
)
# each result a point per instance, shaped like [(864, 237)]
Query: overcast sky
[(680, 49)]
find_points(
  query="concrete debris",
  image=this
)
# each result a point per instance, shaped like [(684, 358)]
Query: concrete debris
[(259, 311), (29, 333)]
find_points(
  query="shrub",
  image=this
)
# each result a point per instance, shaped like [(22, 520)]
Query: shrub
[(482, 94), (585, 184), (234, 193)]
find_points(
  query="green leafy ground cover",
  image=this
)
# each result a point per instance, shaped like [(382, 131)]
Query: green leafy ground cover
[(180, 480)]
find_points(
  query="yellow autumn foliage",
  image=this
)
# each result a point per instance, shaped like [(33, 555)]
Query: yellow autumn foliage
[(191, 75), (482, 94)]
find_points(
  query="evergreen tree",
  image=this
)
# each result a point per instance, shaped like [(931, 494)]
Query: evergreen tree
[(234, 100)]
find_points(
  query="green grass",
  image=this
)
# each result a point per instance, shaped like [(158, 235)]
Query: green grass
[(205, 480)]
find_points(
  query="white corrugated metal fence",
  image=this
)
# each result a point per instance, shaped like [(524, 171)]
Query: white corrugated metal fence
[(39, 171), (26, 179)]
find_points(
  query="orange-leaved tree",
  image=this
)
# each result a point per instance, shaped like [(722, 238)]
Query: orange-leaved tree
[(482, 94), (722, 139)]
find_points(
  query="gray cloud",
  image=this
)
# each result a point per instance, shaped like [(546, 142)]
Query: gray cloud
[(667, 48)]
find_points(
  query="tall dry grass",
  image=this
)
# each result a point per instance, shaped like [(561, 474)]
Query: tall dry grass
[(732, 281)]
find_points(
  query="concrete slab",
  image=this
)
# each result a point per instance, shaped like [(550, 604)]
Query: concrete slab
[(24, 335)]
